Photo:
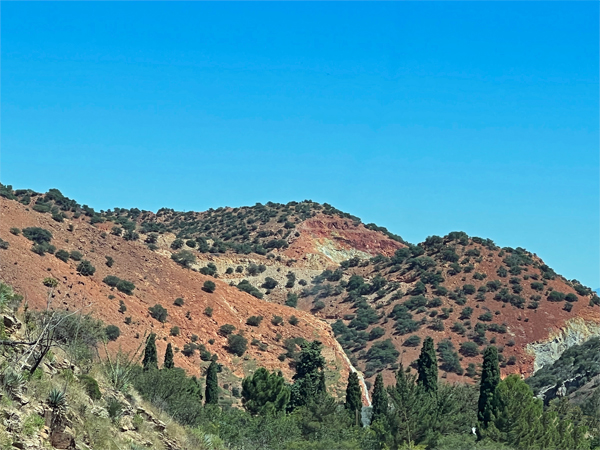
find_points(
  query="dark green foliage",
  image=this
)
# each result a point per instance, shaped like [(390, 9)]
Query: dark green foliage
[(63, 255), (112, 332), (427, 366), (245, 286), (556, 296), (179, 301), (158, 312), (353, 397), (469, 349), (291, 300), (380, 355), (211, 395), (75, 255), (412, 341), (265, 393), (468, 289), (122, 307), (91, 387), (415, 302), (269, 283), (168, 361), (293, 320), (37, 235), (184, 258), (450, 361), (486, 317), (376, 333), (180, 396), (85, 268), (570, 297), (277, 320), (150, 360), (210, 269), (226, 330), (309, 380), (537, 286), (237, 344), (174, 331), (130, 235), (490, 377), (209, 286), (254, 321), (177, 244), (379, 400)]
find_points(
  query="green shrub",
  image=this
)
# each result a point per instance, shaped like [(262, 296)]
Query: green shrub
[(179, 301), (570, 297), (75, 255), (85, 268), (126, 287), (63, 255), (556, 296), (208, 311), (226, 330), (277, 320), (109, 261), (291, 300), (174, 331), (469, 289), (112, 332), (209, 286), (91, 387), (469, 349), (111, 280), (37, 235), (293, 320), (15, 231), (237, 344), (376, 333), (159, 313), (254, 321), (412, 341), (184, 258), (245, 286), (269, 283)]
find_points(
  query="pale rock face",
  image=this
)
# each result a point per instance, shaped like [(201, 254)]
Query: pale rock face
[(576, 332)]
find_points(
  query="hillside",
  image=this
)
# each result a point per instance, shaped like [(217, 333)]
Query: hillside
[(377, 293)]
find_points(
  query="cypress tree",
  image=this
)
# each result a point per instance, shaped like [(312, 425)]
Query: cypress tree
[(169, 364), (353, 396), (427, 367), (211, 394), (490, 377), (380, 399), (150, 360)]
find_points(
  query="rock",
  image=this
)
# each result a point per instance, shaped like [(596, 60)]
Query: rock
[(99, 411), (63, 439)]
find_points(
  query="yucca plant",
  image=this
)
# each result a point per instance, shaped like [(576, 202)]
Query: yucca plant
[(57, 399), (13, 381)]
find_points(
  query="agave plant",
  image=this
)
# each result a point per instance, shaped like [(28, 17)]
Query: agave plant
[(57, 399), (13, 381)]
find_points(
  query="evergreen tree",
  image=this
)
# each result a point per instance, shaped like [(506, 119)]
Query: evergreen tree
[(427, 367), (309, 380), (169, 364), (150, 360), (211, 394), (354, 397), (265, 392), (490, 377), (380, 399)]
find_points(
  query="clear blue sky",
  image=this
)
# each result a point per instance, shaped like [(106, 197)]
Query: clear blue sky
[(421, 117)]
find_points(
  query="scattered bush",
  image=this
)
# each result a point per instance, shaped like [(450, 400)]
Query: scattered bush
[(174, 331), (184, 258), (254, 321), (179, 301), (226, 330), (75, 255), (209, 287), (237, 344), (208, 311), (293, 320), (63, 255), (85, 268), (158, 312), (112, 332)]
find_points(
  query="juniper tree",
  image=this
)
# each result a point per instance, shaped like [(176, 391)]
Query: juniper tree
[(353, 396), (150, 360), (427, 367), (490, 377), (211, 394), (380, 399), (169, 364)]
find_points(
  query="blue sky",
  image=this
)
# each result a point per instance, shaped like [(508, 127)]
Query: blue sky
[(421, 117)]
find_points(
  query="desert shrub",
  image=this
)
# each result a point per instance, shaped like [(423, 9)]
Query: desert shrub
[(63, 255), (293, 320), (15, 231), (210, 269), (85, 268), (237, 344), (254, 321), (469, 349), (376, 333), (131, 235), (37, 235), (318, 306), (245, 286), (568, 306), (434, 303), (208, 311), (556, 296), (269, 283), (112, 332), (486, 317), (50, 282), (226, 330), (468, 289), (75, 255), (179, 301), (158, 312), (122, 307), (177, 244), (277, 320), (412, 341), (209, 286), (184, 258), (174, 331), (91, 387), (292, 299), (570, 297)]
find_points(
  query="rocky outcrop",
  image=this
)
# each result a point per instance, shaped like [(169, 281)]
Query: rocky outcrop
[(576, 331)]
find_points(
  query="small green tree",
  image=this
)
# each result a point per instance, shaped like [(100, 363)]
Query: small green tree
[(265, 392), (169, 364), (427, 366), (211, 394), (85, 268), (209, 287), (150, 360), (490, 377), (354, 397), (379, 399), (158, 312), (112, 332)]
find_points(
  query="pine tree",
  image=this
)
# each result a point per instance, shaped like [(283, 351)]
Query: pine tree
[(265, 392), (380, 399), (169, 364), (354, 396), (150, 360), (309, 380), (211, 394), (427, 367), (490, 377)]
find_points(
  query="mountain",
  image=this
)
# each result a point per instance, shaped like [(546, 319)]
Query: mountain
[(376, 293)]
